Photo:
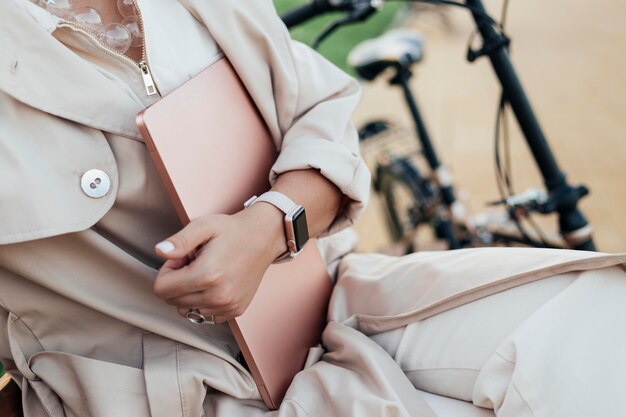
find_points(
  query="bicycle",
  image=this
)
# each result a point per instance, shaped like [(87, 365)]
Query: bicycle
[(431, 199)]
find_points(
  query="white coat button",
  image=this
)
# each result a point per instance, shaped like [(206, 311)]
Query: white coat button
[(95, 183)]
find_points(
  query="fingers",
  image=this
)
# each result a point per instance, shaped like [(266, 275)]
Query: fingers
[(174, 264), (185, 242), (189, 287), (172, 283), (189, 301), (219, 303), (182, 289)]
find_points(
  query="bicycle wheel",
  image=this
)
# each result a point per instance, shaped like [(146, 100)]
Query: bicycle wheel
[(406, 196)]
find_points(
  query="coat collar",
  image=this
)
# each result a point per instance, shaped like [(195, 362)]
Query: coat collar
[(38, 70)]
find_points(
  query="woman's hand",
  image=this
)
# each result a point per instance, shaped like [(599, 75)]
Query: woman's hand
[(216, 263)]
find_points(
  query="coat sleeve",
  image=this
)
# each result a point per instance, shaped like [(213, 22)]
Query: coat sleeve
[(306, 101), (322, 135)]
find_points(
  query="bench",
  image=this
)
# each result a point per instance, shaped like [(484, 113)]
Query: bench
[(10, 398)]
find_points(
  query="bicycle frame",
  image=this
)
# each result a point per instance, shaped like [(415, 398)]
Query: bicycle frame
[(444, 181)]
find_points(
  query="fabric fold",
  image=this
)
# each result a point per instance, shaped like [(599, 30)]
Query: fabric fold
[(366, 296)]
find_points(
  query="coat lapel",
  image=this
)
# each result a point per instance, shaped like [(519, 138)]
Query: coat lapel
[(38, 70)]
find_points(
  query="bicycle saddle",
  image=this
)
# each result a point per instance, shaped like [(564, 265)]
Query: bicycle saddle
[(398, 47)]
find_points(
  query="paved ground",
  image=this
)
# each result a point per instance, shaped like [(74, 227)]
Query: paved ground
[(571, 56)]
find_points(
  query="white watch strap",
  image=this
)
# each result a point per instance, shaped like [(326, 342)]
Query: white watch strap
[(284, 204), (279, 200)]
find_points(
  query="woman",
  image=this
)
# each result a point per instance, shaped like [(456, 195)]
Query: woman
[(84, 111), (89, 310)]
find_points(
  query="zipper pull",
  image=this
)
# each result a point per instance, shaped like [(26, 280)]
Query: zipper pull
[(147, 79)]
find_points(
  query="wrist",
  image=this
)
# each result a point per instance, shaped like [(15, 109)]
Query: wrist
[(266, 225)]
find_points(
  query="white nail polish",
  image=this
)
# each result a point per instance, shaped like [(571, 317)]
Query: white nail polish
[(165, 246)]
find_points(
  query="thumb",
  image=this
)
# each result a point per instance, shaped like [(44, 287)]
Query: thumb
[(185, 242)]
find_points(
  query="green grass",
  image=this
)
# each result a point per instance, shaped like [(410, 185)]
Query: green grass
[(337, 45)]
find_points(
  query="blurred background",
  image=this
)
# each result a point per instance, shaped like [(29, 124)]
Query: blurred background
[(570, 56)]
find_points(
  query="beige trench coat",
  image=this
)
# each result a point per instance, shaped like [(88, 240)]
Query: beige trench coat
[(83, 344)]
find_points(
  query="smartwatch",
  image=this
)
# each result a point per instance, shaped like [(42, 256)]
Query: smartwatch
[(296, 229)]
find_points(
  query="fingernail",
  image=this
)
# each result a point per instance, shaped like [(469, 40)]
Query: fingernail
[(165, 246)]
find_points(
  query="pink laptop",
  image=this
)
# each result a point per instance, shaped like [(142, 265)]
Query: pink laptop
[(213, 152)]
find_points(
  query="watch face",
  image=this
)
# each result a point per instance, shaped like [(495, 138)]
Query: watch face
[(300, 228)]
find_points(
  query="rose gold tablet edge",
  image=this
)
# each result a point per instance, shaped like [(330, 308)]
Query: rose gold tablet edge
[(247, 355), (160, 166)]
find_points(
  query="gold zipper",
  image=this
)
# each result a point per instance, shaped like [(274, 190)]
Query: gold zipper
[(148, 81)]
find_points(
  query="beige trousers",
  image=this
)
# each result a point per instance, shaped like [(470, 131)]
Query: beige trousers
[(554, 347)]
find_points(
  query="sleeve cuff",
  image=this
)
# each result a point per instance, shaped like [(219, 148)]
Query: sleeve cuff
[(352, 178)]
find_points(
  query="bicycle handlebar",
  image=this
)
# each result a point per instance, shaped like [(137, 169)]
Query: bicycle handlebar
[(357, 11), (305, 12), (316, 8)]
